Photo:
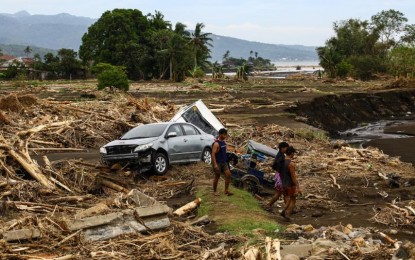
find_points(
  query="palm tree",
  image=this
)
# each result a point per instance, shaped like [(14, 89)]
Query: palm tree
[(226, 55), (200, 42), (157, 19), (28, 50)]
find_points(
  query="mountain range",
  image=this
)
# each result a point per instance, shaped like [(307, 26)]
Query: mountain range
[(53, 32)]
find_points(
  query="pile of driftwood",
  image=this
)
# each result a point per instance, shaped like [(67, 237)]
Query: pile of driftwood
[(60, 209), (31, 126), (68, 209), (395, 215), (269, 135), (102, 214), (345, 242)]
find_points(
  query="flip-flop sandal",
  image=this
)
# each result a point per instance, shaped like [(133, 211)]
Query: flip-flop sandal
[(228, 193), (216, 194)]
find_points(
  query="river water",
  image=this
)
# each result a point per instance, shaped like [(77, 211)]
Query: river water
[(395, 138)]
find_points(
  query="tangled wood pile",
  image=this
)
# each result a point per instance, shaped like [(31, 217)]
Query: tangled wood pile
[(31, 126), (54, 210), (395, 215), (343, 242), (269, 135)]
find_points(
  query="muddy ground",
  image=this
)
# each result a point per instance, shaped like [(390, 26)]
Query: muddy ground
[(264, 102)]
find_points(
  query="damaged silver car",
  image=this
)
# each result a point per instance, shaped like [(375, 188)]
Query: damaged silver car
[(156, 146)]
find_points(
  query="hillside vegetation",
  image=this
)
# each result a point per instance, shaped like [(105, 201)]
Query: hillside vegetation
[(19, 50), (65, 31)]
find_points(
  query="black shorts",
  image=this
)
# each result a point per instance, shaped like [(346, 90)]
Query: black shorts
[(223, 167)]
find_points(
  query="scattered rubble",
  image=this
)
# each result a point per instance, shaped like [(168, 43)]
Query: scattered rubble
[(75, 209)]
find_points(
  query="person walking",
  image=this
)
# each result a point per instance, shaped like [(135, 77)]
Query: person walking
[(278, 165), (220, 162), (290, 185)]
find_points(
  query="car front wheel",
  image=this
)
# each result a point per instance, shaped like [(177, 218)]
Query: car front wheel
[(207, 156), (161, 164)]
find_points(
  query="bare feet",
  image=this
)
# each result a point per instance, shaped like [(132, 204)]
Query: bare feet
[(286, 218)]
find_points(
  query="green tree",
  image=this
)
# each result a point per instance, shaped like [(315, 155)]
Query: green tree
[(201, 43), (217, 71), (344, 69), (68, 62), (51, 63), (354, 50), (183, 56), (226, 56), (329, 58), (197, 73), (402, 62), (1, 54), (146, 46), (37, 62), (27, 51), (122, 37), (173, 52), (111, 76), (14, 69), (409, 35), (157, 21), (165, 51), (390, 24), (354, 37), (243, 72)]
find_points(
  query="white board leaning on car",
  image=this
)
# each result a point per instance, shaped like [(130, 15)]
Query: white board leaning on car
[(199, 115)]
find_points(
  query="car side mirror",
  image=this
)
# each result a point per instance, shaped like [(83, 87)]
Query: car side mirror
[(171, 134)]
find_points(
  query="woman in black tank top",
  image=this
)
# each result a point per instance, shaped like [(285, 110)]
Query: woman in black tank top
[(289, 184)]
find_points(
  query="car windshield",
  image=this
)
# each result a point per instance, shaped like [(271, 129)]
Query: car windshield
[(145, 131)]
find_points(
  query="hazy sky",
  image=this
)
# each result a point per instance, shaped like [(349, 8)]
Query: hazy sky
[(307, 22)]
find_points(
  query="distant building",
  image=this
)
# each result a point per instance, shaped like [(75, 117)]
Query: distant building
[(27, 63), (10, 60), (5, 60)]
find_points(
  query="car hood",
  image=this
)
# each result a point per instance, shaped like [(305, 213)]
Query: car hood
[(131, 142)]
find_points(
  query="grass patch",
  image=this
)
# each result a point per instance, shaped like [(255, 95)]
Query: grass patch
[(244, 200), (205, 208), (244, 227), (238, 215), (311, 135)]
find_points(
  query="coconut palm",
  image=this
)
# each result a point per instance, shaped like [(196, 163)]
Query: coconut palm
[(172, 47), (200, 42), (226, 56), (27, 51)]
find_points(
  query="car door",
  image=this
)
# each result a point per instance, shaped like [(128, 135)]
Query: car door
[(176, 145), (193, 142)]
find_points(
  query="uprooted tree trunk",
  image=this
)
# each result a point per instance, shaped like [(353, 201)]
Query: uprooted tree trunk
[(31, 168), (188, 207), (22, 155), (28, 165)]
